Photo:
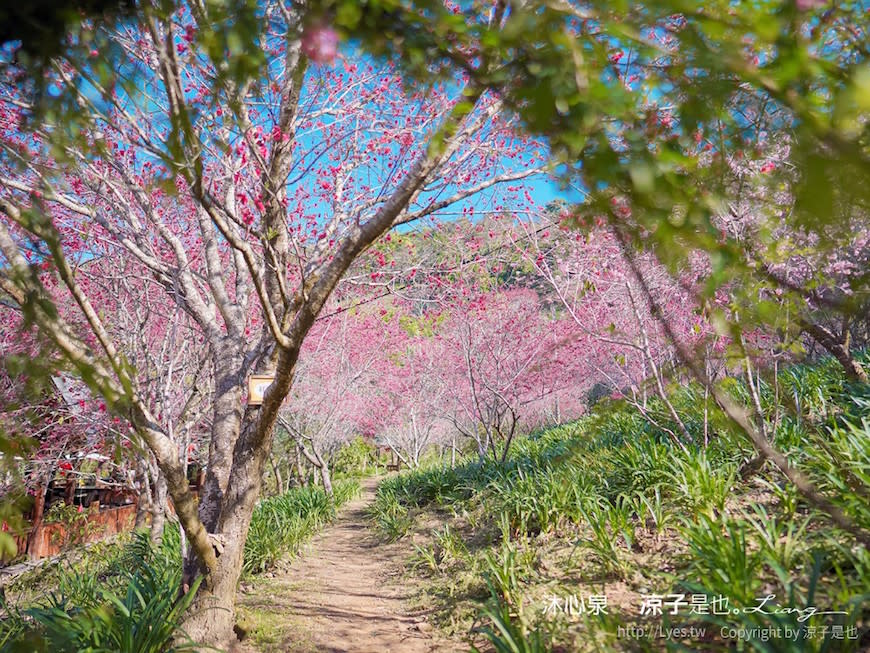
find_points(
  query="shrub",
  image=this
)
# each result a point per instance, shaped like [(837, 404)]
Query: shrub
[(281, 524), (356, 458), (139, 610)]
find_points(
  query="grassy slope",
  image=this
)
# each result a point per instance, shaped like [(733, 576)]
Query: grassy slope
[(609, 506)]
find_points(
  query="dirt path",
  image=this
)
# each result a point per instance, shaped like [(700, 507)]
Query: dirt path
[(344, 593)]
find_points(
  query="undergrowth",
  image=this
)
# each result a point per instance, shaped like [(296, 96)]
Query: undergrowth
[(131, 604), (125, 596), (280, 525), (608, 506)]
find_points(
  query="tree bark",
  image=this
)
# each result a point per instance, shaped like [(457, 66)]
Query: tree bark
[(143, 502), (212, 616), (158, 508), (839, 348), (226, 424), (325, 476)]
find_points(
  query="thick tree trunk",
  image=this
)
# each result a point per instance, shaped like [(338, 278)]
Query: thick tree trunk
[(226, 426), (231, 495), (211, 617)]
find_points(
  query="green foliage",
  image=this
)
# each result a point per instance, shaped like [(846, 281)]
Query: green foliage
[(814, 389), (507, 634), (281, 525), (391, 516), (781, 540), (137, 607), (700, 487), (502, 576), (607, 523), (508, 630), (844, 473), (635, 504), (41, 28), (355, 458), (722, 558)]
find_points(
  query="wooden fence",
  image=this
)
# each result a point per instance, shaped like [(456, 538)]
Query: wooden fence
[(52, 538)]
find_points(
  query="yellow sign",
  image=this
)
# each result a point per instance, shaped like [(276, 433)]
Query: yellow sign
[(257, 385)]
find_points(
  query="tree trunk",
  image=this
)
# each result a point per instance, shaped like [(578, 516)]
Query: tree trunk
[(300, 477), (211, 617), (839, 348), (226, 426), (279, 482), (508, 439), (143, 504), (143, 508), (158, 508), (325, 476)]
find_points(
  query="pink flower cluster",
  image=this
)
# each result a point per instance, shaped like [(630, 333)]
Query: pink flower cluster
[(320, 43)]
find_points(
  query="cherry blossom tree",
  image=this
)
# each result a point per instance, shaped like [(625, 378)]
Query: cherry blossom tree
[(412, 392), (505, 360), (803, 280), (322, 411), (626, 347), (243, 199)]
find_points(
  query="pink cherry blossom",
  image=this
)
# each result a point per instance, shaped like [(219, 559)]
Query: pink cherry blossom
[(320, 43)]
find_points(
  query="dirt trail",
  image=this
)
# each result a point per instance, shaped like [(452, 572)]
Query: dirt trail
[(344, 593)]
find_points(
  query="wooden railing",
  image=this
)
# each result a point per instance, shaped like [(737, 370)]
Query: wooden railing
[(49, 539)]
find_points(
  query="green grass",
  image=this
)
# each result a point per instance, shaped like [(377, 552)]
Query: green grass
[(608, 504), (281, 525), (126, 595), (133, 605)]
